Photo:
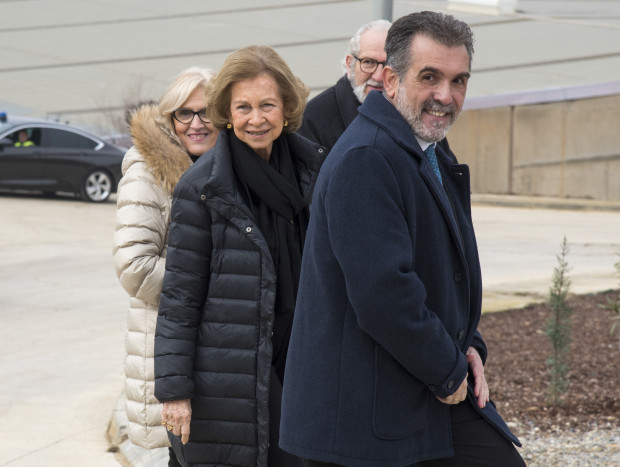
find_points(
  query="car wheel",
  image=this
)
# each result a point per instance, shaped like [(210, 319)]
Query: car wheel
[(97, 186)]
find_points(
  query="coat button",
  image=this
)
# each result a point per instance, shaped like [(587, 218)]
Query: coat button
[(451, 384), (460, 335), (248, 229), (203, 197), (320, 150), (457, 277)]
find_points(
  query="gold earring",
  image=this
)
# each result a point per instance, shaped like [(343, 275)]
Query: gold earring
[(229, 125), (285, 122)]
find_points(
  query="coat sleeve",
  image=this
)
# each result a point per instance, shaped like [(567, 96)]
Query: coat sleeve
[(140, 235), (373, 244), (186, 282)]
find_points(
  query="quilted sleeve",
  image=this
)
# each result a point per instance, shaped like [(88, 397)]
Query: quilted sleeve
[(140, 234), (186, 282)]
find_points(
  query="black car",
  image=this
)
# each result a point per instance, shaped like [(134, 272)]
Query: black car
[(49, 157)]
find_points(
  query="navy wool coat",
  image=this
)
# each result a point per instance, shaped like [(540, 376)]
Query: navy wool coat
[(330, 113), (213, 335), (388, 304)]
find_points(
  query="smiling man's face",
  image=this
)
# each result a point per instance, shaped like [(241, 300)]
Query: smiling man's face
[(431, 95)]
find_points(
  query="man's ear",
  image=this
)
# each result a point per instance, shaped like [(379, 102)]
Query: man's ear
[(391, 82), (347, 64)]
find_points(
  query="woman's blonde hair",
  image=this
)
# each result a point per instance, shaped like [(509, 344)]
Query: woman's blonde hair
[(248, 63), (179, 91)]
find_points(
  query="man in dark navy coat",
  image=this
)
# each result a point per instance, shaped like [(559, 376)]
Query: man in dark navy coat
[(385, 365)]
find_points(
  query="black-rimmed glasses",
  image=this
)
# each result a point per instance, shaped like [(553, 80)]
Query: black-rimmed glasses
[(368, 65), (186, 116)]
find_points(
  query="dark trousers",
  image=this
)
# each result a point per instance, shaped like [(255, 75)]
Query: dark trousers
[(475, 442), (277, 457), (172, 460), (311, 463)]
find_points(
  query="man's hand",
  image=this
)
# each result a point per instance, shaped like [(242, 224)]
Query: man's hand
[(481, 388), (176, 416), (458, 397)]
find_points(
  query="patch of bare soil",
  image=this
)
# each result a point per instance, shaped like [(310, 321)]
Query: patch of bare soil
[(518, 376)]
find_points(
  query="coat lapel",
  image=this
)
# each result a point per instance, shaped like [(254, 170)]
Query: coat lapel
[(347, 102), (393, 123), (441, 195)]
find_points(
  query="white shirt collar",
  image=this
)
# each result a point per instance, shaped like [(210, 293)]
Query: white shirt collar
[(423, 144)]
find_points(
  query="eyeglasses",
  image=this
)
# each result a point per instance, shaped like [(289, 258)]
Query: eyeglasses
[(368, 65), (187, 116)]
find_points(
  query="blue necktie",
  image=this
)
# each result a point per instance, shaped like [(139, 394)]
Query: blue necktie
[(432, 158)]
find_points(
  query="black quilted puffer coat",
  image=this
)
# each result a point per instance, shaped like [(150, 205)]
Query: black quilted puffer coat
[(213, 337)]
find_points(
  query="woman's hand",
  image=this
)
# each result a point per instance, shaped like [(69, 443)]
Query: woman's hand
[(176, 416), (481, 388), (458, 397)]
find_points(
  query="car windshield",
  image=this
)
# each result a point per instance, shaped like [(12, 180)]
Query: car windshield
[(4, 126)]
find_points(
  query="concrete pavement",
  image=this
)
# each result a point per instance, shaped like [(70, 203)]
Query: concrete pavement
[(519, 239), (63, 319), (63, 311)]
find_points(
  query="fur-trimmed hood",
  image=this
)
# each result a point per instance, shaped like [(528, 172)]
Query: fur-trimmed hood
[(161, 151)]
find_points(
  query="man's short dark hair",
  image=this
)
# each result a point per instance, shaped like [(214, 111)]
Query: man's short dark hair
[(442, 28)]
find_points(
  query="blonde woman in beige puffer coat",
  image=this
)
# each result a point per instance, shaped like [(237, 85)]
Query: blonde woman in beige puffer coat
[(167, 139)]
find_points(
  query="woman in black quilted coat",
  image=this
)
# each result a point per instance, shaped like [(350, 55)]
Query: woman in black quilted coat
[(239, 218)]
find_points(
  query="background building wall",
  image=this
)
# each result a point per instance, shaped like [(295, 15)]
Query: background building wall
[(566, 149)]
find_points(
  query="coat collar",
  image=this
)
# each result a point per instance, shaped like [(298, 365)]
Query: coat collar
[(348, 103), (308, 157), (166, 159), (381, 112)]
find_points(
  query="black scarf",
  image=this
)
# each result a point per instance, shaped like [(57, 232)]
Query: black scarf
[(271, 190)]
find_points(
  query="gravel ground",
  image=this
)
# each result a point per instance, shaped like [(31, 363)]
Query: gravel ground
[(598, 447), (584, 430)]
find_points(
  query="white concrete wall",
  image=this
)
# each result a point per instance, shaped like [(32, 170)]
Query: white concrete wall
[(566, 149)]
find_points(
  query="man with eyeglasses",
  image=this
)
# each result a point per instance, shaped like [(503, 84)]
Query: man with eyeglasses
[(330, 113)]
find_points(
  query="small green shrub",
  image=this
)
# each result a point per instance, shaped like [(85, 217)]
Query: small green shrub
[(559, 329)]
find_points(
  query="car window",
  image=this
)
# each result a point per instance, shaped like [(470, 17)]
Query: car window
[(26, 137), (55, 138)]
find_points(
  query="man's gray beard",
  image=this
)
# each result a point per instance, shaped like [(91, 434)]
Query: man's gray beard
[(357, 90), (360, 91), (430, 135)]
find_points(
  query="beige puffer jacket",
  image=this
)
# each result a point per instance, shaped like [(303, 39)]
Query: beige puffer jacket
[(151, 169)]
